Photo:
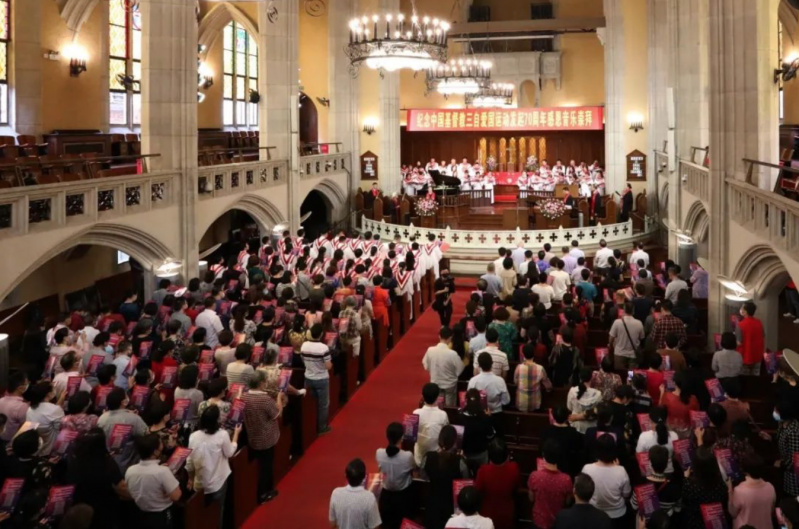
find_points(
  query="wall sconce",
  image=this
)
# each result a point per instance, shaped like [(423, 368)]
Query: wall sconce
[(205, 76), (636, 122), (370, 126), (78, 58), (325, 102), (790, 65)]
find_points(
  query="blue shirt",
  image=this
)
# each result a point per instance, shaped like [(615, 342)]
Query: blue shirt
[(494, 284), (543, 266), (589, 290)]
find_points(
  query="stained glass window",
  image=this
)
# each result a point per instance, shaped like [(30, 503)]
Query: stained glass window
[(5, 37), (124, 41), (240, 65)]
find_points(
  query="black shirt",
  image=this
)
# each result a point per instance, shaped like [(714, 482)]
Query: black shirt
[(477, 432), (94, 482), (641, 308), (570, 442), (582, 516)]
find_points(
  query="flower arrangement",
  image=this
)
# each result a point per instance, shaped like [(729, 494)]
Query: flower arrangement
[(531, 164), (552, 209), (491, 163), (426, 207)]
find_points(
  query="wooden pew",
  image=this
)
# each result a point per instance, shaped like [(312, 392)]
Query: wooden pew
[(417, 305), (336, 395), (198, 515), (350, 375), (381, 340), (406, 314), (367, 358), (283, 451), (244, 485), (395, 316)]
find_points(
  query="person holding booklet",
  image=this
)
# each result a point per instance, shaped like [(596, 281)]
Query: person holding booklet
[(752, 501), (548, 488), (397, 467), (78, 418), (352, 506), (46, 415), (667, 490), (612, 484), (442, 468), (478, 430), (152, 486), (659, 435), (318, 363), (117, 414), (261, 414), (469, 517), (158, 417), (704, 485)]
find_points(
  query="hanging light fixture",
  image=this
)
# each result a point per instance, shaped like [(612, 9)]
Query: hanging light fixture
[(393, 43), (459, 77), (498, 95)]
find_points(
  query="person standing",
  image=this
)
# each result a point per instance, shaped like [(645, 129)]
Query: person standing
[(354, 507), (751, 339), (444, 366), (611, 481), (318, 363), (548, 488), (397, 466), (210, 321), (469, 505), (13, 406), (152, 486), (431, 420), (494, 386), (676, 284), (753, 500), (582, 514), (626, 335), (261, 414)]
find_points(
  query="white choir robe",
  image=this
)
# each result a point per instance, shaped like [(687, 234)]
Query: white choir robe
[(433, 255), (488, 185)]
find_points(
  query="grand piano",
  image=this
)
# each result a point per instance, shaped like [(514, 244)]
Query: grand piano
[(451, 183)]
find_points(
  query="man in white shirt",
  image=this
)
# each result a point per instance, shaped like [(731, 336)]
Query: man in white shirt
[(518, 255), (500, 365), (528, 260), (561, 281), (576, 252), (675, 284), (469, 504), (431, 420), (577, 273), (354, 507), (65, 320), (548, 255), (602, 255), (444, 366), (639, 253), (152, 485), (210, 321), (498, 262), (626, 334), (69, 364), (544, 291), (495, 388)]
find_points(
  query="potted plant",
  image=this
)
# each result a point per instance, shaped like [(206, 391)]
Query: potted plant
[(426, 208)]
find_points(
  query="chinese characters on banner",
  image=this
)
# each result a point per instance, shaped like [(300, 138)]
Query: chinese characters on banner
[(523, 119)]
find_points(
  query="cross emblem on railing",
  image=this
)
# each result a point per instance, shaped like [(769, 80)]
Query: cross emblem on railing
[(482, 239), (567, 236), (441, 237), (592, 234), (625, 229), (553, 237), (468, 238), (539, 238), (405, 233), (510, 239), (605, 232), (455, 237), (428, 234), (497, 238), (616, 230), (526, 238)]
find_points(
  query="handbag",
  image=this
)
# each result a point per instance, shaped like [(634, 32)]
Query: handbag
[(639, 350)]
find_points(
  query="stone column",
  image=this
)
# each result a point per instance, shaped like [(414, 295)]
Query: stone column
[(279, 89), (690, 63), (743, 116), (613, 41), (659, 52), (344, 119), (169, 107), (389, 122), (26, 70)]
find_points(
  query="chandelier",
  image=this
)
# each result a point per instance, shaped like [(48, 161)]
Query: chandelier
[(459, 77), (393, 44), (498, 95)]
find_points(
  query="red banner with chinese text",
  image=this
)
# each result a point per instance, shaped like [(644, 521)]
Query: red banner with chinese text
[(523, 119)]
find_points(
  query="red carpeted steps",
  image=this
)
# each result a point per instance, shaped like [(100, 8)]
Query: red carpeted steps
[(393, 389)]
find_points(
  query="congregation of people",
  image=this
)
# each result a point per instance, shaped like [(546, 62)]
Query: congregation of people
[(126, 409), (650, 431)]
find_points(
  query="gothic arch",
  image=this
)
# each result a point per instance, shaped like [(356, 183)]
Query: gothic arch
[(335, 196), (217, 18), (145, 248), (788, 16), (761, 269), (266, 215), (697, 222)]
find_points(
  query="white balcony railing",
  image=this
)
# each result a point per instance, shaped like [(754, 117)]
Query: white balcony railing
[(765, 214), (227, 179), (696, 180), (33, 209), (616, 235), (321, 164)]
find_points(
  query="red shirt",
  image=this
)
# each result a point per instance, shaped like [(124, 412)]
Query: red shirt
[(679, 414), (551, 489), (498, 484), (653, 381), (192, 313), (753, 343)]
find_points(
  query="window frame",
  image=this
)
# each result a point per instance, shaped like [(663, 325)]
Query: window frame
[(5, 103), (231, 113), (131, 65)]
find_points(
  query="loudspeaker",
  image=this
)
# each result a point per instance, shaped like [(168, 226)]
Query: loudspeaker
[(686, 254)]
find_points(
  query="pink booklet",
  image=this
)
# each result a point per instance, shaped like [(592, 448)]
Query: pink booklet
[(285, 356), (206, 372), (180, 410), (73, 385), (10, 494), (138, 397), (120, 435), (716, 391), (236, 414), (178, 458), (257, 356), (644, 422), (713, 515), (643, 463), (131, 367), (699, 419), (169, 377), (407, 524), (59, 500), (284, 380), (95, 361), (234, 389), (457, 486), (647, 498), (410, 422), (64, 440), (101, 396), (684, 453)]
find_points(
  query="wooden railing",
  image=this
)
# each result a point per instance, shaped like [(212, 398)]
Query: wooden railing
[(220, 180), (39, 208), (696, 179), (764, 213), (320, 164)]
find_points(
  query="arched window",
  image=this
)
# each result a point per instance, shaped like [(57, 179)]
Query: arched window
[(240, 60), (125, 61), (5, 38)]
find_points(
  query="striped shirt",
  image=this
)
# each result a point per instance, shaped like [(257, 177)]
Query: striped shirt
[(314, 356), (528, 379), (354, 508)]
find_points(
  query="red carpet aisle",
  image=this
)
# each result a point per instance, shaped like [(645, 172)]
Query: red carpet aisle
[(393, 388)]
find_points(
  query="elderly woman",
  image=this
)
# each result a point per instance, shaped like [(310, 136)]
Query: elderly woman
[(271, 370), (350, 332), (261, 413)]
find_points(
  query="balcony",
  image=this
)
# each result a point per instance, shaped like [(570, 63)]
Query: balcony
[(317, 165), (39, 208), (696, 180), (228, 179), (765, 214)]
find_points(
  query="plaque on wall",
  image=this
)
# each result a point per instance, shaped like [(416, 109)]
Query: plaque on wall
[(368, 166), (636, 166)]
